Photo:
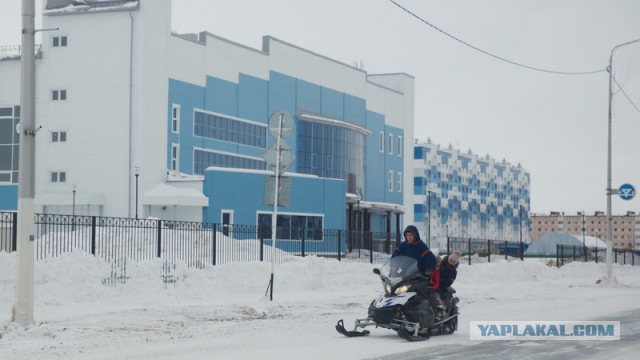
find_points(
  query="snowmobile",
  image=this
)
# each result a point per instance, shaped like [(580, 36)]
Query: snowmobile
[(402, 310)]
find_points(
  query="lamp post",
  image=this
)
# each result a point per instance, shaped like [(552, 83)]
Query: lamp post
[(137, 174), (521, 248), (609, 189), (584, 245), (73, 208), (429, 219), (73, 204)]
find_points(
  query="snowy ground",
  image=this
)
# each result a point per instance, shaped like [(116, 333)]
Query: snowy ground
[(221, 312)]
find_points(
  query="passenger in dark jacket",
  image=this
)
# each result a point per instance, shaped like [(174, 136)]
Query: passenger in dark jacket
[(414, 247), (449, 270)]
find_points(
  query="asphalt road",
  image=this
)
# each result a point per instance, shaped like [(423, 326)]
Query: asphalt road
[(628, 347)]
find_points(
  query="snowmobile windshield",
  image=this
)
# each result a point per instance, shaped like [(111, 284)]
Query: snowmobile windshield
[(400, 268)]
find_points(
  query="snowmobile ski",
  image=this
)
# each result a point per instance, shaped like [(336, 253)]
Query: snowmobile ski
[(353, 333)]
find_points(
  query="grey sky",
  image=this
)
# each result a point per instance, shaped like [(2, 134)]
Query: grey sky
[(554, 125)]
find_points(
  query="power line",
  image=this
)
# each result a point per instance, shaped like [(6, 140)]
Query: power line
[(625, 94), (493, 55)]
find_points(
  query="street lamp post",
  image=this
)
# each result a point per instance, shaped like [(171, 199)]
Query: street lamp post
[(73, 208), (73, 204), (521, 248), (429, 219), (137, 173), (609, 189), (584, 245)]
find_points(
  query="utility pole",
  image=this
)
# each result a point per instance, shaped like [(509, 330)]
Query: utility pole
[(610, 190), (23, 308)]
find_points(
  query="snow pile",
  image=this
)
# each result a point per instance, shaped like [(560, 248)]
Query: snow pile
[(164, 311)]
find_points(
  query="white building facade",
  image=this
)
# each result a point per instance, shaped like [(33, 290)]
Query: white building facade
[(463, 195)]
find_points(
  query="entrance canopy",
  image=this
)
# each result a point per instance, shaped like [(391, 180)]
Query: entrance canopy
[(164, 194)]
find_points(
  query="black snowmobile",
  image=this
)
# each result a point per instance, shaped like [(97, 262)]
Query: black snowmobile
[(406, 312)]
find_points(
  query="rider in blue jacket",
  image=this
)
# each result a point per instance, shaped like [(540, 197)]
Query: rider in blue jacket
[(414, 247)]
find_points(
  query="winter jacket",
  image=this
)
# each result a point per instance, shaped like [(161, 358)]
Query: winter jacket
[(417, 250), (448, 273)]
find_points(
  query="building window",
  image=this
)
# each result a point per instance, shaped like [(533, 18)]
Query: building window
[(331, 151), (58, 95), (58, 136), (291, 226), (58, 176), (381, 142), (225, 128), (399, 181), (399, 146), (175, 118), (391, 180), (203, 159), (175, 157), (390, 144), (9, 144), (59, 41)]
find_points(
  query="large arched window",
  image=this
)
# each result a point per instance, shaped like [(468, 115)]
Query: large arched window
[(332, 149)]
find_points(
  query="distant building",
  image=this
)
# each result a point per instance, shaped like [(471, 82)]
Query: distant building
[(624, 227), (458, 194)]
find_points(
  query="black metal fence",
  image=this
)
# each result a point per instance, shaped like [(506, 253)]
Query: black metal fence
[(569, 253), (194, 243), (484, 250)]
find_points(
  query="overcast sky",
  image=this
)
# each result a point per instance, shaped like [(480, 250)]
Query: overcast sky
[(554, 125)]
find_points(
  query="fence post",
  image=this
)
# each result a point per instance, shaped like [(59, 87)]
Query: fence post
[(213, 245), (557, 255), (596, 254), (489, 250), (615, 252), (261, 243), (93, 235), (448, 245), (302, 244), (14, 234), (159, 238), (339, 245), (469, 249), (574, 253), (370, 234), (506, 252)]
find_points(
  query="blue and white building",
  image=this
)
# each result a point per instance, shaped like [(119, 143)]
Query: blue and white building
[(464, 195), (138, 120)]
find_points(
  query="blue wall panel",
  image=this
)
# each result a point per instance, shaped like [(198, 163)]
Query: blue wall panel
[(332, 103), (9, 197), (253, 99), (221, 96)]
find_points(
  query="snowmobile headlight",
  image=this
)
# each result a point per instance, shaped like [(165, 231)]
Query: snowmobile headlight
[(387, 288), (401, 290)]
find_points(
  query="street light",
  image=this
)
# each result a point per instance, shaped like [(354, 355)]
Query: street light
[(429, 219), (73, 205), (73, 208), (521, 248), (583, 229), (609, 189), (137, 173)]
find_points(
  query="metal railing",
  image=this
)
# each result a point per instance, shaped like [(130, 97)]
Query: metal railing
[(15, 51), (484, 250), (570, 253), (194, 243)]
